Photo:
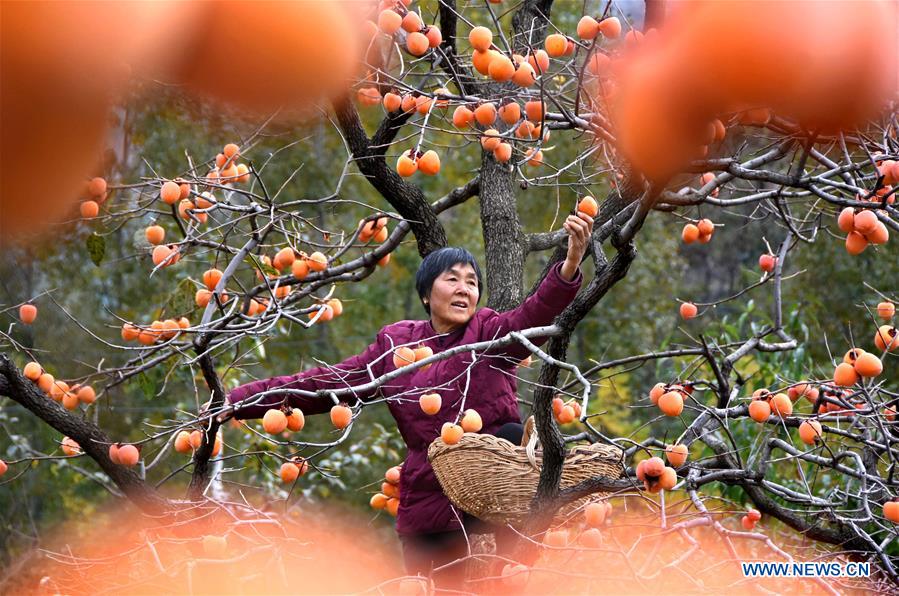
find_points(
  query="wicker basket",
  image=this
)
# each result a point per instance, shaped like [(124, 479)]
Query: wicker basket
[(495, 480)]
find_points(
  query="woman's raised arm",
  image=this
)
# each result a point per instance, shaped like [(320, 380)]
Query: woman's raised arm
[(558, 289)]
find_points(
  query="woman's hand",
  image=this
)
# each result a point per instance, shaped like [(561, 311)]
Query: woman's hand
[(225, 416), (580, 229)]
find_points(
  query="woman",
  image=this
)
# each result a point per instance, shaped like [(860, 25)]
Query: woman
[(449, 285)]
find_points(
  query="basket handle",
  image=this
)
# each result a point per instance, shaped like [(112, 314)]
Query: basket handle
[(528, 430), (530, 435)]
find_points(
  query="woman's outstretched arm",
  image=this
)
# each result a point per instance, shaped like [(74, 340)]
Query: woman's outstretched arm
[(351, 372), (557, 290)]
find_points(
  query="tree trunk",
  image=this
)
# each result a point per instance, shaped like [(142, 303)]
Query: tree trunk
[(503, 242), (200, 477)]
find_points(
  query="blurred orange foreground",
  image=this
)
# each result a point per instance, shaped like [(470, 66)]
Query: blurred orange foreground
[(826, 64), (64, 64), (334, 550)]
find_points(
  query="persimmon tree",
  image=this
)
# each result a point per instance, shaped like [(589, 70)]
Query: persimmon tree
[(514, 84)]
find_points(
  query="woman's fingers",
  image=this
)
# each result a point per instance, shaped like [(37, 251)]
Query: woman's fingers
[(577, 227), (227, 414), (586, 219), (573, 231)]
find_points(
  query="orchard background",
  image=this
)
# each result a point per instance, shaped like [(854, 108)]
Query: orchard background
[(721, 182)]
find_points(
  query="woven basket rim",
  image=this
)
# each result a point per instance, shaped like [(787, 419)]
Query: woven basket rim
[(472, 475), (476, 441)]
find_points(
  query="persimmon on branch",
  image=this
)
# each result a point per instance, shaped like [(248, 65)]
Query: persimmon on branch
[(91, 440)]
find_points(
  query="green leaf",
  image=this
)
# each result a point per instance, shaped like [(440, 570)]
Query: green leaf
[(96, 247), (181, 300), (147, 385), (269, 270), (262, 266)]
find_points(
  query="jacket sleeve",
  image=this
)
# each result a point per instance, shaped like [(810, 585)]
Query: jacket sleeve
[(538, 309), (350, 372)]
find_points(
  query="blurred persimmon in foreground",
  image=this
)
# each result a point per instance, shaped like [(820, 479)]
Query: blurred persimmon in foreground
[(323, 548), (63, 64), (264, 56), (828, 65)]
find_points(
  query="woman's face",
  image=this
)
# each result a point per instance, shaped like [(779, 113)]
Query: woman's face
[(454, 296)]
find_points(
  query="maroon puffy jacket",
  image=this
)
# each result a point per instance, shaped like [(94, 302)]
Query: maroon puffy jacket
[(491, 390)]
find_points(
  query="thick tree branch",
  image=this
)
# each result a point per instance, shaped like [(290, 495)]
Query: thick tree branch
[(407, 199), (504, 242), (502, 232), (89, 437), (200, 477), (546, 500), (388, 129), (529, 24)]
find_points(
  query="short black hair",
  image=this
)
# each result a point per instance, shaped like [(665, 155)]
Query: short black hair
[(436, 263)]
